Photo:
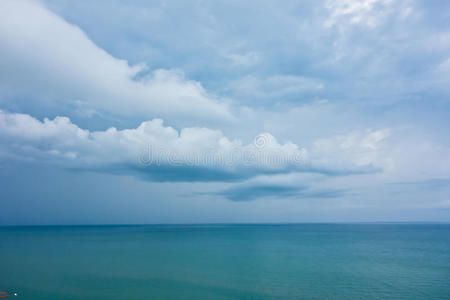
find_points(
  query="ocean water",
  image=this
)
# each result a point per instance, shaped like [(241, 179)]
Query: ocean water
[(304, 261)]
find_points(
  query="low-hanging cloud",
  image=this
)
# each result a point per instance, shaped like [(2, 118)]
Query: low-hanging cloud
[(152, 151), (255, 192), (157, 152)]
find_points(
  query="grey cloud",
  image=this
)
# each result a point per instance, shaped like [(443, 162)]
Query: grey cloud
[(258, 191)]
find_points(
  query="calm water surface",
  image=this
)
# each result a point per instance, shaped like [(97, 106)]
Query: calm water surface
[(305, 261)]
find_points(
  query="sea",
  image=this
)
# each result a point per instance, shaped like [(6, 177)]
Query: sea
[(227, 261)]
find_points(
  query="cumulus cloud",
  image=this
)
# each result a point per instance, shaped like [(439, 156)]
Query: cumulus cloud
[(152, 150), (158, 152), (357, 148), (44, 57)]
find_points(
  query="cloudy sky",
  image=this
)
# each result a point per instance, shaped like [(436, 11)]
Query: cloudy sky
[(195, 111)]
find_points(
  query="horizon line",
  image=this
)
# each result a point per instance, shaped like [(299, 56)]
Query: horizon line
[(236, 224)]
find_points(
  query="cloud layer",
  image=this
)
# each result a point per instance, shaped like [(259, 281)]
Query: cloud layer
[(66, 67), (350, 97), (153, 150)]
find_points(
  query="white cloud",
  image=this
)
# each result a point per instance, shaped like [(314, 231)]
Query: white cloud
[(162, 152), (398, 152), (359, 148), (43, 56)]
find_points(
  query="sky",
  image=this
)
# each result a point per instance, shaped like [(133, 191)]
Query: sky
[(145, 112)]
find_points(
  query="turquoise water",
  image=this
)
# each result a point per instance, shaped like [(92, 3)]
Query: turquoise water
[(305, 261)]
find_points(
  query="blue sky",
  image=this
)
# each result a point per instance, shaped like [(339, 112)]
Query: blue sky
[(224, 111)]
